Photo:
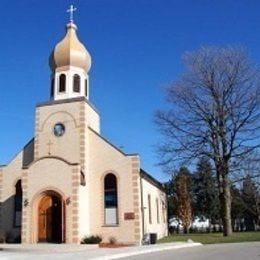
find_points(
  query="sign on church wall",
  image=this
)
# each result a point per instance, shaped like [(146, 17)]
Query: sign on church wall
[(129, 216)]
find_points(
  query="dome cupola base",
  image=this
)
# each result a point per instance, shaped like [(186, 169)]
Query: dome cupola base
[(68, 83)]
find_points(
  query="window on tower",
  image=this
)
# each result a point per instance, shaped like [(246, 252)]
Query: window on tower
[(62, 83), (86, 87), (76, 83), (52, 87)]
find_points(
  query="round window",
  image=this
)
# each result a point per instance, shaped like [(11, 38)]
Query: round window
[(59, 129)]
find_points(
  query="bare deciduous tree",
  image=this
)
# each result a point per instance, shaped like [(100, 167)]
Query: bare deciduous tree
[(215, 113), (249, 166)]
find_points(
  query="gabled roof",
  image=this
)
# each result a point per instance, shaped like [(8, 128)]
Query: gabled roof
[(152, 180), (143, 173), (112, 145)]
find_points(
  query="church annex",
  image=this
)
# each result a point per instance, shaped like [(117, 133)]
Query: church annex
[(69, 181)]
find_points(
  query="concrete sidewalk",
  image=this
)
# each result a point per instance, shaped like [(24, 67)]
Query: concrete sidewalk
[(66, 251)]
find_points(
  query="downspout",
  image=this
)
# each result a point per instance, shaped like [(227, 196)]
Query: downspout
[(142, 205)]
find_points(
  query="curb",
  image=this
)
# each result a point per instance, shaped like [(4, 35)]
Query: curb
[(146, 251)]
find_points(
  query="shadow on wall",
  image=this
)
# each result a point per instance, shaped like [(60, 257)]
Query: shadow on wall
[(10, 231), (11, 209), (28, 153)]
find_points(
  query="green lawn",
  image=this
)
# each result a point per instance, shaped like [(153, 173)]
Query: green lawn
[(213, 238)]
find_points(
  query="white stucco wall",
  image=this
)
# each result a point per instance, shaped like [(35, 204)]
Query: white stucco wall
[(158, 225)]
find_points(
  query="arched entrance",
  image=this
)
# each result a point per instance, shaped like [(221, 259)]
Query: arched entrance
[(50, 218)]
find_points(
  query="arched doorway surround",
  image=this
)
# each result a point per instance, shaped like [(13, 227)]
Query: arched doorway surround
[(50, 218)]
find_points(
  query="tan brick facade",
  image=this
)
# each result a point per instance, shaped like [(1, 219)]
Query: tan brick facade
[(73, 168), (136, 198)]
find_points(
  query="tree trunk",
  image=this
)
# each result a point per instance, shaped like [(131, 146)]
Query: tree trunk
[(225, 204), (185, 230)]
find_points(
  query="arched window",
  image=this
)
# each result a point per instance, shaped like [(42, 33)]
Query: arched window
[(163, 211), (110, 199), (18, 199), (62, 83), (76, 83), (149, 209), (52, 87), (157, 210)]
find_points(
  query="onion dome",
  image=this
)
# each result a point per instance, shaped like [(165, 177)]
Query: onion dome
[(70, 51)]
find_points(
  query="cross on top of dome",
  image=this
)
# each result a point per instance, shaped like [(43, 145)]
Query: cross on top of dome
[(71, 10)]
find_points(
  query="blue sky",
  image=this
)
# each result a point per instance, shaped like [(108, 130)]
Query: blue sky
[(136, 48)]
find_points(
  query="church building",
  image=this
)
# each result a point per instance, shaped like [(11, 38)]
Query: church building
[(69, 181)]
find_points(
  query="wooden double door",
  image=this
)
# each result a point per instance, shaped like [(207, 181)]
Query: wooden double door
[(50, 219)]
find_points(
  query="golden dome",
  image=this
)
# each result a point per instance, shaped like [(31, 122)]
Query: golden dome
[(70, 51)]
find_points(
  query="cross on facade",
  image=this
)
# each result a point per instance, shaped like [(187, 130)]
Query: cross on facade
[(71, 10), (49, 144)]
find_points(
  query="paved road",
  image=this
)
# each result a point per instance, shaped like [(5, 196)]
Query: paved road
[(237, 251)]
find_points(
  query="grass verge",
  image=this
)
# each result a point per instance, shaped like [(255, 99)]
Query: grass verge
[(213, 238)]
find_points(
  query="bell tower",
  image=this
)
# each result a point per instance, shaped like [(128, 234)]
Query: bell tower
[(62, 123), (70, 63)]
